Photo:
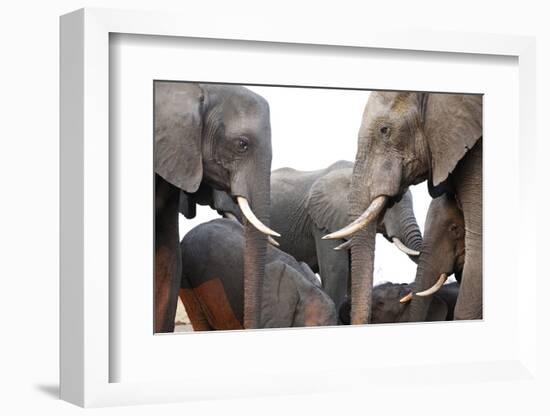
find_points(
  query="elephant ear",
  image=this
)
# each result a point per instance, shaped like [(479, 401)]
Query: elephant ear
[(328, 200), (178, 129), (453, 125), (280, 296)]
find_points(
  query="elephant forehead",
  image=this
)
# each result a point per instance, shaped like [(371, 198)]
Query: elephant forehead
[(444, 210), (384, 104), (242, 120)]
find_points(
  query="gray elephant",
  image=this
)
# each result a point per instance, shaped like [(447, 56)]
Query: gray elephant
[(212, 283), (442, 255), (404, 139), (390, 304), (307, 204), (209, 137)]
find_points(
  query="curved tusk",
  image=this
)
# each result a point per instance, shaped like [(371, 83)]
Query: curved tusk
[(442, 279), (374, 209), (399, 244), (272, 241), (230, 216), (247, 212), (407, 298), (346, 245)]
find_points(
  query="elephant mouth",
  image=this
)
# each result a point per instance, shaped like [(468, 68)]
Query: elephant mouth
[(216, 175), (232, 216)]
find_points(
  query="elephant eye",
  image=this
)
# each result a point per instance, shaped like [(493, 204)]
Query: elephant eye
[(385, 130), (242, 144)]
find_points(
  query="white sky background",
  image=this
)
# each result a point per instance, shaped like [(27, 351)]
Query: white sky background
[(312, 128)]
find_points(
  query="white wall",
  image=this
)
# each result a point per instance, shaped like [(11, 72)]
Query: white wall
[(29, 205)]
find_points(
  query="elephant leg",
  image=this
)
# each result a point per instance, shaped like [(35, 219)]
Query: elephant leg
[(333, 267), (194, 311), (167, 257), (469, 304), (216, 305)]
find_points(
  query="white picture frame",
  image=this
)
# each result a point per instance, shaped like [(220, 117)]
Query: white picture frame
[(86, 352)]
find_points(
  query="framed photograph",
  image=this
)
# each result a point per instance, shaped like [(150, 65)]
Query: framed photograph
[(207, 178)]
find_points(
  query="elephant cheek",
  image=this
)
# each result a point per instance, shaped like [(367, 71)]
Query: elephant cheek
[(384, 176)]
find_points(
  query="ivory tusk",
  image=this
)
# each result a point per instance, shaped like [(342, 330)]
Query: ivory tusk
[(272, 241), (346, 245), (407, 298), (440, 282), (374, 209), (247, 212), (399, 244)]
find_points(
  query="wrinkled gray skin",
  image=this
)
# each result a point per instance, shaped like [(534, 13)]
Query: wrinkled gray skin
[(404, 139), (208, 137), (291, 294), (386, 307), (442, 252), (305, 205)]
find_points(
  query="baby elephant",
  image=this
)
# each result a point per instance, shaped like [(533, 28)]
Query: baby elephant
[(387, 308), (212, 284)]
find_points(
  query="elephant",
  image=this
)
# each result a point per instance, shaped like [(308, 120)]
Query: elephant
[(307, 204), (388, 305), (206, 137), (406, 138), (442, 254), (212, 283)]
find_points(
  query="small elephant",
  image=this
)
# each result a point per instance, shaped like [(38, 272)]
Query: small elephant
[(443, 254), (208, 137), (212, 283), (388, 308), (406, 138), (307, 204)]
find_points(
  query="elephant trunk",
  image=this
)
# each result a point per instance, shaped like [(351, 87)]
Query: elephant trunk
[(427, 275), (401, 226), (255, 249), (362, 270), (254, 273), (362, 251), (411, 235)]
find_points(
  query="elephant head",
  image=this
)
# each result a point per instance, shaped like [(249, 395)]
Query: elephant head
[(219, 137), (220, 201), (387, 306), (442, 254), (404, 139), (327, 206), (212, 282)]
